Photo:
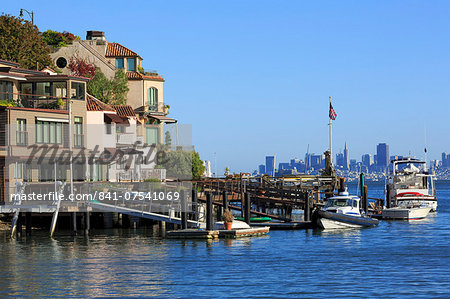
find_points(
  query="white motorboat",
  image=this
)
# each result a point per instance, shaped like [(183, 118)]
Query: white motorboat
[(406, 213), (343, 211), (411, 185)]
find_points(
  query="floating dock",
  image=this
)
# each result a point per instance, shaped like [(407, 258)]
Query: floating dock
[(215, 234)]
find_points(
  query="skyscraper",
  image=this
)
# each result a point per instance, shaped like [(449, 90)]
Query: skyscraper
[(346, 164), (270, 165), (367, 160), (262, 169), (382, 155)]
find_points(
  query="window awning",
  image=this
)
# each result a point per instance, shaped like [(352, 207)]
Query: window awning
[(163, 119), (111, 117), (56, 120)]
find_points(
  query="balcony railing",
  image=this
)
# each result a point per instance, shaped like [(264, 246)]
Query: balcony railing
[(35, 101), (126, 138), (43, 102)]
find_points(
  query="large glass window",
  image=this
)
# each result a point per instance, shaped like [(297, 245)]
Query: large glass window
[(43, 89), (77, 91), (119, 63), (21, 133), (152, 96), (78, 132), (6, 89), (131, 64), (48, 132), (59, 89)]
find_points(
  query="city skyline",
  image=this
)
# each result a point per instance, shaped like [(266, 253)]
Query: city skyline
[(378, 161)]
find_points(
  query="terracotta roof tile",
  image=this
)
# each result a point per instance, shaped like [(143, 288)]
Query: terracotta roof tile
[(94, 104), (124, 110), (117, 50), (139, 76)]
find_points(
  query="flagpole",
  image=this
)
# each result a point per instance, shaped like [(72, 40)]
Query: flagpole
[(331, 140)]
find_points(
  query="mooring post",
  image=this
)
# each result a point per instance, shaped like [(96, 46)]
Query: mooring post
[(341, 185), (247, 206), (388, 195), (306, 209), (19, 225), (162, 229), (366, 200), (87, 223), (28, 223), (209, 211), (183, 209), (361, 186), (225, 200), (194, 203), (74, 223)]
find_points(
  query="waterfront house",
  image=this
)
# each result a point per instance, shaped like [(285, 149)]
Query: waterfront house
[(145, 93), (34, 110)]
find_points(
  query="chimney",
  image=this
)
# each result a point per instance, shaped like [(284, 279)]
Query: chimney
[(95, 35)]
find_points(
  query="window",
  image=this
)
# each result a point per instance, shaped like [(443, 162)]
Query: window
[(152, 96), (96, 171), (78, 132), (131, 64), (108, 128), (46, 172), (48, 132), (22, 171), (18, 167), (21, 133), (61, 62), (119, 63), (6, 89), (151, 135), (77, 91), (43, 89), (59, 89)]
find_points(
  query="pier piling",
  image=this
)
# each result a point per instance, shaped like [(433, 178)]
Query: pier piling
[(247, 206), (183, 209), (87, 223), (194, 204), (366, 200), (388, 195), (209, 211), (28, 223), (307, 210), (74, 223)]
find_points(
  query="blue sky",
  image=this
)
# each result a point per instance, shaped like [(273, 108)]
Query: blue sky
[(253, 77)]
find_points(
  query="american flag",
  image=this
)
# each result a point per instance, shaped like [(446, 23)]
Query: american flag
[(332, 113)]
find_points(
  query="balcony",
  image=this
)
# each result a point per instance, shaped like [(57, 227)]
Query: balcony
[(43, 102), (126, 138)]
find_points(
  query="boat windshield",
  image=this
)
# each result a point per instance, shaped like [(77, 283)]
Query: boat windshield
[(339, 202)]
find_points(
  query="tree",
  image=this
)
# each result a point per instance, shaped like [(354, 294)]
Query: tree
[(100, 87), (168, 140), (119, 88), (58, 39), (20, 41), (113, 92), (181, 164), (81, 67), (197, 166)]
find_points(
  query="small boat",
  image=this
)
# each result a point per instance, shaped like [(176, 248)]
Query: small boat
[(343, 211), (255, 219), (406, 212)]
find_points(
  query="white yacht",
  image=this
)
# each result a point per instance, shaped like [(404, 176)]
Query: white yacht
[(411, 185), (343, 211)]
